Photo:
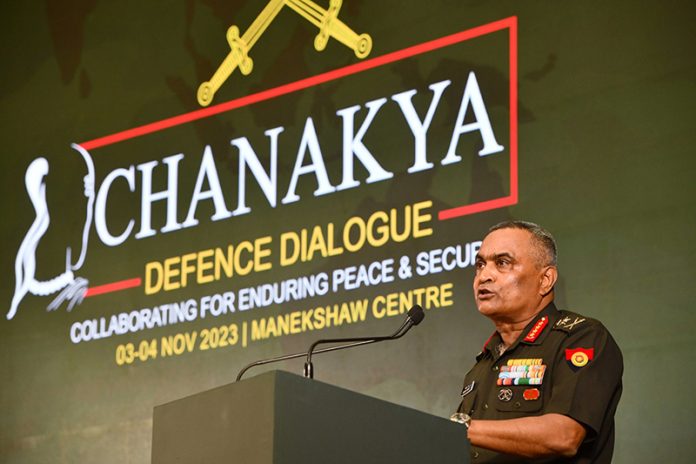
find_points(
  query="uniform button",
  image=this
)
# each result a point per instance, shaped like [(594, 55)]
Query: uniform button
[(485, 406), (496, 368), (476, 455), (517, 404)]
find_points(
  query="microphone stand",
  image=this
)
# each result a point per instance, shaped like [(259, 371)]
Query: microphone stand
[(414, 317), (309, 367), (299, 355)]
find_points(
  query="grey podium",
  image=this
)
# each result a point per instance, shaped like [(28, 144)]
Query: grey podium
[(282, 418)]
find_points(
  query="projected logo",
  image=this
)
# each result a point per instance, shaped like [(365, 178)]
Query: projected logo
[(326, 20), (402, 123), (72, 288)]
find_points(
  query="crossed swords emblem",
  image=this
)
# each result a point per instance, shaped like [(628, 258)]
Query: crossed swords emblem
[(325, 19), (505, 394), (565, 322)]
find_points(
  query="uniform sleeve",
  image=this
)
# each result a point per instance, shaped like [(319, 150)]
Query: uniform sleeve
[(587, 377)]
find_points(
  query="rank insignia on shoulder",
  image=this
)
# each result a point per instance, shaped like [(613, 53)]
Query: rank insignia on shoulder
[(569, 322), (468, 388), (579, 357)]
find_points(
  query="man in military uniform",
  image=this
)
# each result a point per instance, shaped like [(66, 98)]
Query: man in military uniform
[(546, 385)]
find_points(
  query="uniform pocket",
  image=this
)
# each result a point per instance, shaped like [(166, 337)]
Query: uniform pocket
[(523, 399)]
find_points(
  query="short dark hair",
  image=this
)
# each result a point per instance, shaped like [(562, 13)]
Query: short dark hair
[(542, 238)]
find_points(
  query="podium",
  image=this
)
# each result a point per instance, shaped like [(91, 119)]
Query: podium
[(282, 418)]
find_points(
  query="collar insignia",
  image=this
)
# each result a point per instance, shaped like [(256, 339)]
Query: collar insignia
[(536, 330)]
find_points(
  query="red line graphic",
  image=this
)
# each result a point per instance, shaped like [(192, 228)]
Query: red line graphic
[(113, 287), (511, 199), (513, 111), (476, 208), (506, 23), (305, 83)]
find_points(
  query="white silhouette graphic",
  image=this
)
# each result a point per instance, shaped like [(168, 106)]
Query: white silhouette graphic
[(73, 288)]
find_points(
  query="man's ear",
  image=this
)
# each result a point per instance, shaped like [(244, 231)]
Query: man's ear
[(549, 276)]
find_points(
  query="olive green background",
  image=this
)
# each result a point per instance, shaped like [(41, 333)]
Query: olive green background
[(606, 94)]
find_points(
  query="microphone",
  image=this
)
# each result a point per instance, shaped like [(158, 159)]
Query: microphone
[(414, 317)]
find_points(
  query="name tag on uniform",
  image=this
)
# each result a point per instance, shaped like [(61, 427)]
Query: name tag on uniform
[(522, 372)]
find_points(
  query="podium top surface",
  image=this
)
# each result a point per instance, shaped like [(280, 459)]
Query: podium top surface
[(279, 417)]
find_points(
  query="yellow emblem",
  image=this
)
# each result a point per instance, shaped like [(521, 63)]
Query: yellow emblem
[(579, 359), (325, 19)]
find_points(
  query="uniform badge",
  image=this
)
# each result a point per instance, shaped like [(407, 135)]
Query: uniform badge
[(536, 330), (531, 394), (579, 357), (569, 323), (468, 388), (505, 394), (522, 372)]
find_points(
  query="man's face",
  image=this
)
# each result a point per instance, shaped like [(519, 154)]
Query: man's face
[(508, 281)]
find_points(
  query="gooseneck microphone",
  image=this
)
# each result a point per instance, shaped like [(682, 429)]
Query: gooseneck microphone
[(415, 316)]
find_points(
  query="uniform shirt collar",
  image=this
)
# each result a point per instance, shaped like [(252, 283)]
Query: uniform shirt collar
[(537, 330), (533, 334)]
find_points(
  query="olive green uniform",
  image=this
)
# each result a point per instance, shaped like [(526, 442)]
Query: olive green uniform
[(562, 363)]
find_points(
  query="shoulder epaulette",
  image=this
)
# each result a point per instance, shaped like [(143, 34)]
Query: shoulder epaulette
[(569, 321)]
